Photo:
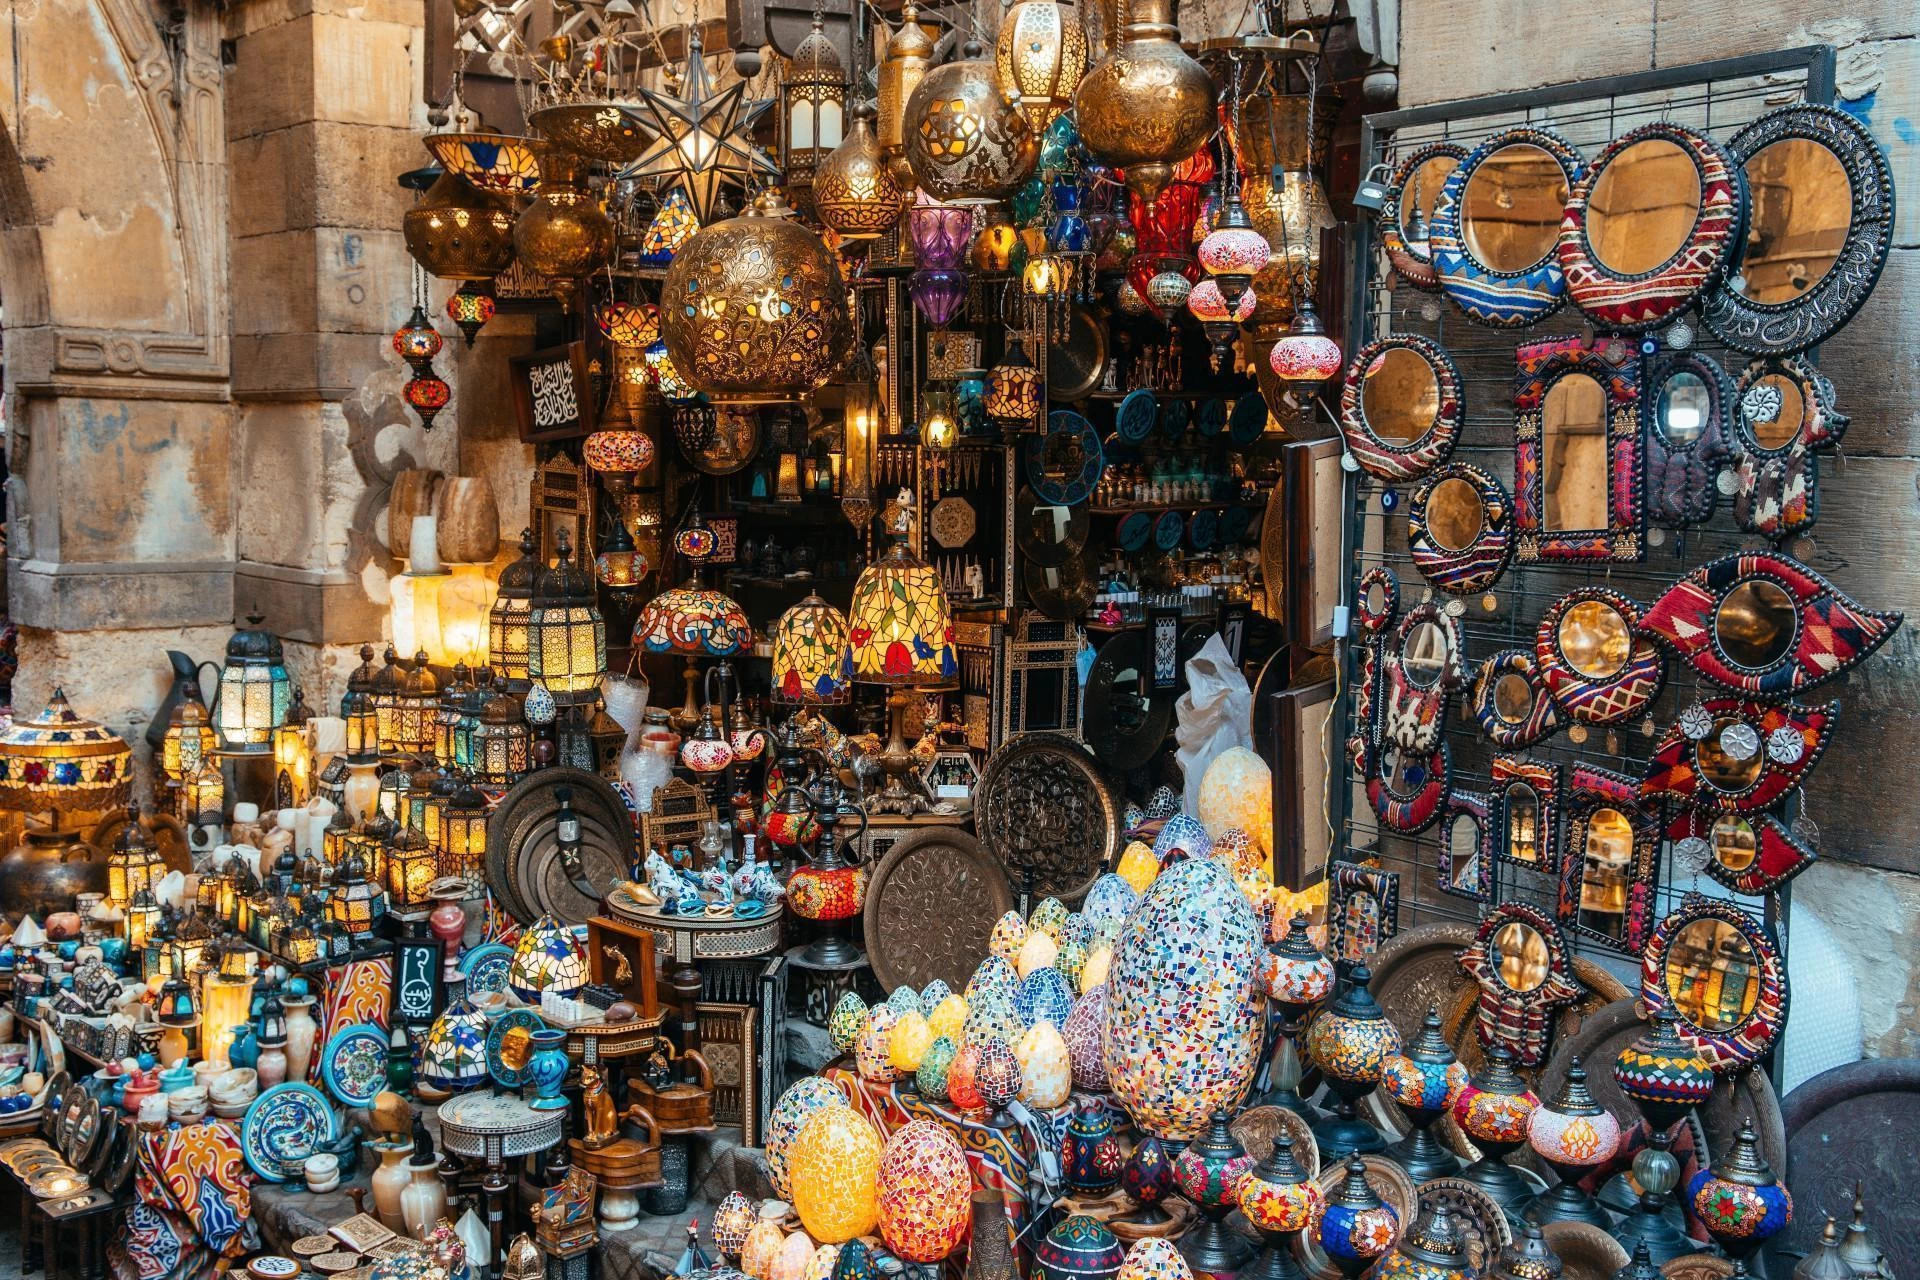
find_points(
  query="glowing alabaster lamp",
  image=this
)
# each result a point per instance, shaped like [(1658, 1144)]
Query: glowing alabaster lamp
[(1573, 1133), (901, 629), (547, 958)]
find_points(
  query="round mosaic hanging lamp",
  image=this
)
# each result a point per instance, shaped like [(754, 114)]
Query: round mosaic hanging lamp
[(62, 760)]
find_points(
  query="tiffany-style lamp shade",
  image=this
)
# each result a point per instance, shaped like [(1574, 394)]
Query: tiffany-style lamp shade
[(672, 226), (566, 636), (453, 1057), (61, 760), (547, 958), (507, 621), (901, 625), (812, 664)]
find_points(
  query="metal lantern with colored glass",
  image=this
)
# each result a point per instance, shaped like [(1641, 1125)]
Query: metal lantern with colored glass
[(965, 141), (1015, 390), (813, 98), (1040, 56), (358, 710), (143, 917), (134, 866), (293, 755), (389, 682), (189, 738), (566, 636), (463, 832), (620, 567), (853, 191), (357, 903), (502, 743), (507, 621), (447, 716), (548, 957), (412, 866), (414, 708)]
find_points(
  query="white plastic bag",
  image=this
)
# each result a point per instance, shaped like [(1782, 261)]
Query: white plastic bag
[(1216, 712)]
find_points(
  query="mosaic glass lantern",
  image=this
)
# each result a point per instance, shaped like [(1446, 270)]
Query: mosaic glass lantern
[(255, 690), (813, 96), (1739, 1199), (417, 342), (1574, 1134), (1357, 1227), (924, 1192), (427, 394), (189, 738), (566, 636), (1234, 252), (834, 1168), (1425, 1078), (1305, 356), (470, 307), (453, 1057), (733, 1220), (694, 620), (626, 324), (1015, 390), (1350, 1042), (507, 638), (853, 192), (619, 567), (900, 623), (1493, 1110), (133, 864), (60, 760), (618, 456), (502, 744), (547, 958), (1209, 1173), (672, 226), (812, 664)]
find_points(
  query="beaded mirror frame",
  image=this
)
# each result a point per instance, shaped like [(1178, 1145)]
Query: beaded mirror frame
[(1544, 717), (1598, 700), (1777, 489), (1591, 792), (1750, 853), (1519, 1014), (1499, 299), (1543, 782), (1473, 881), (1682, 476), (1782, 741), (1752, 1031), (1614, 366), (1408, 798), (1633, 302), (1479, 564), (1785, 328), (1414, 268), (1831, 632), (1380, 458), (1412, 715)]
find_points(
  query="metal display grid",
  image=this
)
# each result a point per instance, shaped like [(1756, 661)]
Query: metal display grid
[(1717, 98)]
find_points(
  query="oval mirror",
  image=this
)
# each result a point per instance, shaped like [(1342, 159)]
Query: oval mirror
[(1426, 655), (1774, 410), (1754, 624), (1801, 204), (1455, 514), (1574, 449), (1512, 206), (1376, 597), (1463, 851), (1729, 756), (1401, 771), (1643, 207), (1685, 404), (1521, 956), (1523, 823), (1712, 974), (1400, 396), (1512, 698), (1735, 842), (1595, 639), (1417, 196)]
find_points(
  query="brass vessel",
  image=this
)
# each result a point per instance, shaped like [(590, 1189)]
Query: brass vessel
[(908, 58), (1285, 198), (1146, 106), (564, 235), (459, 232)]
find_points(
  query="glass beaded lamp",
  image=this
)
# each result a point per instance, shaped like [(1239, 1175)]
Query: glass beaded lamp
[(566, 635), (1573, 1134), (1305, 356), (1493, 1110), (1740, 1200), (255, 690), (547, 958), (1425, 1078), (507, 621), (1234, 252), (1666, 1078), (1279, 1200), (453, 1057), (812, 664), (1350, 1041), (133, 864)]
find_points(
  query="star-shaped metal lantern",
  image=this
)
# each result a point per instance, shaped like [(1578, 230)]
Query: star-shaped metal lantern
[(703, 136)]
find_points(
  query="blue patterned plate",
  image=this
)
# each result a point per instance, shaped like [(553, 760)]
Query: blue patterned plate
[(485, 968), (1134, 421), (1212, 418), (508, 1045), (1233, 524), (284, 1126), (1135, 526), (1173, 419), (1203, 530), (1248, 421), (1065, 464), (354, 1065), (1167, 530)]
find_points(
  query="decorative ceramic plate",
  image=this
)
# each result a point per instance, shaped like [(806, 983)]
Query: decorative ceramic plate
[(1203, 531), (509, 1044), (1135, 527), (1135, 419), (1174, 417), (1065, 464), (354, 1064), (1168, 529), (485, 968), (1212, 417), (1234, 522), (285, 1125), (1248, 421)]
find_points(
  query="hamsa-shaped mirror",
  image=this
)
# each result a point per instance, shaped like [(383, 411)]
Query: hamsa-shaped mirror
[(1820, 221), (1406, 219), (1608, 868), (1787, 418), (1686, 408), (1576, 451), (1496, 227), (1721, 972), (1521, 962)]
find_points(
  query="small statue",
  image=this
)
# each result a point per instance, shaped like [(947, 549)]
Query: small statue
[(673, 888), (601, 1128)]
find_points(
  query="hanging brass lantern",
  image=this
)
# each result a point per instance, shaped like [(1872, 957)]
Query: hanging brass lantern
[(908, 58), (1284, 196), (1038, 59), (852, 190), (598, 128), (966, 143), (1147, 105), (758, 310), (813, 102), (564, 235), (459, 232)]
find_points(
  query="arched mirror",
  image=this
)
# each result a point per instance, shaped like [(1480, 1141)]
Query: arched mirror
[(1464, 869), (1577, 451), (1735, 755), (1522, 807), (1786, 418), (1497, 224), (1608, 880), (1406, 219), (1509, 702), (1400, 407), (1459, 525), (1590, 659), (1649, 227), (1764, 624), (1819, 224), (1529, 793), (1684, 409), (1520, 961), (1721, 973)]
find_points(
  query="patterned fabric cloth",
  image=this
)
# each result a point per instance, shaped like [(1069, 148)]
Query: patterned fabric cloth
[(357, 991), (194, 1205)]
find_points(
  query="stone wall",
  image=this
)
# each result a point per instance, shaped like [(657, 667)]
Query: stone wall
[(1867, 886)]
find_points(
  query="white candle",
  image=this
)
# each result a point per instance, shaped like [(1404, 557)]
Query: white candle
[(423, 546)]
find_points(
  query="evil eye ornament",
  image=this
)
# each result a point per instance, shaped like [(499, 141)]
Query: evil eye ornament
[(1765, 625), (1736, 767)]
